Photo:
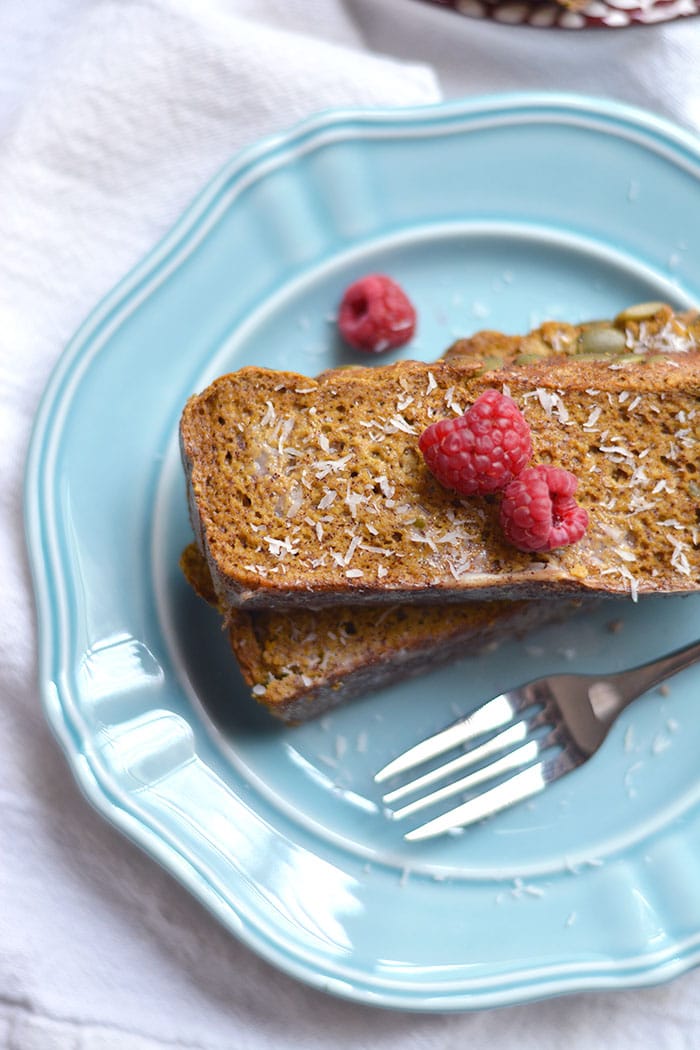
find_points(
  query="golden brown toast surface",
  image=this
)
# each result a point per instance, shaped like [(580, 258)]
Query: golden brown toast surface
[(313, 491)]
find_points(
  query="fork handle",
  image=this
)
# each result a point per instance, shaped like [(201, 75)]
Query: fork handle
[(632, 684)]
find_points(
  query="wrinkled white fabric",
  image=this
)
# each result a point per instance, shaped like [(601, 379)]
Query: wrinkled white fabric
[(113, 113)]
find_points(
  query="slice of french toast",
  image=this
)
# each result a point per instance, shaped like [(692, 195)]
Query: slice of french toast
[(300, 663), (311, 492)]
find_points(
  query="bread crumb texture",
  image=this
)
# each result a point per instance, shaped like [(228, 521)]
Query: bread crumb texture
[(300, 663), (311, 491)]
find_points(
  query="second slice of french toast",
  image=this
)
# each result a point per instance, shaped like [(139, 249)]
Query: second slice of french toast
[(301, 663)]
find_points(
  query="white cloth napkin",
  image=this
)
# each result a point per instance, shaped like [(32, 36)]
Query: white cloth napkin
[(113, 113), (655, 67)]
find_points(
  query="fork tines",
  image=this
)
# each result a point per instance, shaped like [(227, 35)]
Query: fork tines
[(504, 742)]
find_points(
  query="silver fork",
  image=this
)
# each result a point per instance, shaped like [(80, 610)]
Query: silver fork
[(521, 740)]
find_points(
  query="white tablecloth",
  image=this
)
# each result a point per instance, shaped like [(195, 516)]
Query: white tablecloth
[(112, 114)]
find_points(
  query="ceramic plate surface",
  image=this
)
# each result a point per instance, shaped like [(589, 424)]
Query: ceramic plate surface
[(496, 212)]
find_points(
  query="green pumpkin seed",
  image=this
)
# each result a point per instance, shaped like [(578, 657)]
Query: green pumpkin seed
[(528, 359), (603, 340), (639, 312)]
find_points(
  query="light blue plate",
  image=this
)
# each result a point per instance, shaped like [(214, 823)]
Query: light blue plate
[(491, 212)]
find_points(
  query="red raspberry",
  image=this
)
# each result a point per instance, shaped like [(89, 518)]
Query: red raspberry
[(376, 315), (539, 512), (480, 451)]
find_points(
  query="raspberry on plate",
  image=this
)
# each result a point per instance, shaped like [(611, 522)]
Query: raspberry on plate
[(376, 314), (538, 511), (481, 451)]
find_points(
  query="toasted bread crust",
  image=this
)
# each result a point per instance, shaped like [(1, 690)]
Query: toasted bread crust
[(299, 665), (312, 492)]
